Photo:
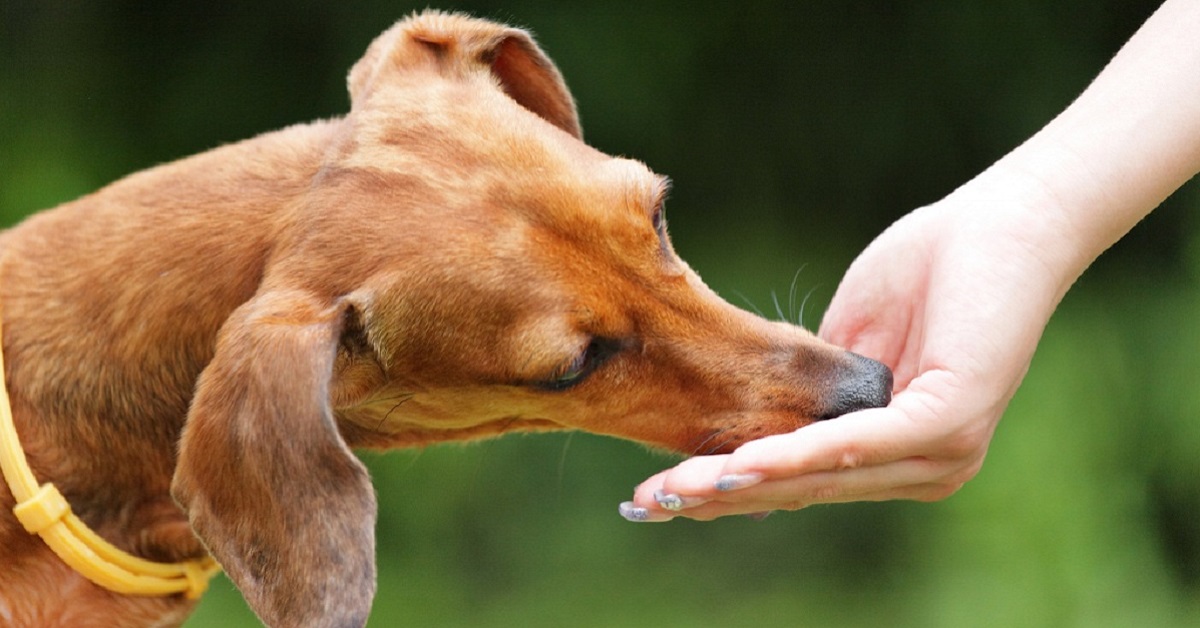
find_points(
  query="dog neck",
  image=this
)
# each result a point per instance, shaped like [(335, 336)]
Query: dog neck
[(96, 418)]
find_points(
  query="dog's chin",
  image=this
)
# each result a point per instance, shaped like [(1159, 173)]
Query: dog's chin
[(726, 440), (372, 433)]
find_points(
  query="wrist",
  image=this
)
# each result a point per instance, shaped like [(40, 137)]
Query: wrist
[(1129, 140), (1020, 209)]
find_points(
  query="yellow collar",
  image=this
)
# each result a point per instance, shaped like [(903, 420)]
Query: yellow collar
[(44, 511)]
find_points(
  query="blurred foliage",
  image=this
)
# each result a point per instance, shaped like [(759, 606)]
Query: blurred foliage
[(794, 133)]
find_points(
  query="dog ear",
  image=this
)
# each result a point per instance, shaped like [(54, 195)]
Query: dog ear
[(530, 78), (456, 41), (267, 480)]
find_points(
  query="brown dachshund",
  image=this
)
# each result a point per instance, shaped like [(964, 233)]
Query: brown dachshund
[(193, 351)]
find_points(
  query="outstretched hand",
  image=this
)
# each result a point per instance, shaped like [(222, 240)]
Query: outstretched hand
[(953, 297)]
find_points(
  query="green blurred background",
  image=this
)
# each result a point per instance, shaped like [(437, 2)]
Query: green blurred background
[(794, 132)]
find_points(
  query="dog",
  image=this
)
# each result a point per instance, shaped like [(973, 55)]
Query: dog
[(194, 351)]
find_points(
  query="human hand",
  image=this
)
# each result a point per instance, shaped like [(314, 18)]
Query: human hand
[(954, 298)]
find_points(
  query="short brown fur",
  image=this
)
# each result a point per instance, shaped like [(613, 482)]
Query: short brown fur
[(194, 350)]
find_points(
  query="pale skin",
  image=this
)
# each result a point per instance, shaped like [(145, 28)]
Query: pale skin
[(954, 296)]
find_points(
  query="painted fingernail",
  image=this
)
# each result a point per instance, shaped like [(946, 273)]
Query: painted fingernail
[(640, 514), (759, 516), (676, 502), (737, 481)]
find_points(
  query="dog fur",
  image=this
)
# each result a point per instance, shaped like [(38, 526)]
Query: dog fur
[(194, 351)]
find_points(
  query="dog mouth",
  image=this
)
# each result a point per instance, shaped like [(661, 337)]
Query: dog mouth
[(860, 384)]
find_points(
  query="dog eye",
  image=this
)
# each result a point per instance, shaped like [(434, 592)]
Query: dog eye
[(596, 353)]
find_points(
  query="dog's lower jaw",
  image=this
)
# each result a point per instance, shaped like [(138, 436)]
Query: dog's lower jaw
[(366, 433)]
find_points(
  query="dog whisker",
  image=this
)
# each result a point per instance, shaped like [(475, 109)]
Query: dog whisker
[(373, 400), (749, 303), (402, 396), (718, 446), (562, 463), (700, 446), (400, 401), (778, 309), (804, 302), (792, 292), (508, 423)]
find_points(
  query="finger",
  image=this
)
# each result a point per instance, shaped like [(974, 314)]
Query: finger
[(860, 439), (716, 509), (822, 486), (837, 486), (847, 457), (900, 480), (686, 484)]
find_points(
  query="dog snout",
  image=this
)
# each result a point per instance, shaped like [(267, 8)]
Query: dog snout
[(862, 383)]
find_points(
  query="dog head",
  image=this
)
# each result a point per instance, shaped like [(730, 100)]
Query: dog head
[(464, 265)]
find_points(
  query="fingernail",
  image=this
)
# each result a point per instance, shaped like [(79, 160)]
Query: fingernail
[(640, 514), (736, 481), (676, 502), (759, 516)]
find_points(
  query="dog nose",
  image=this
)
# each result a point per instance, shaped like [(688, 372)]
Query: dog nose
[(863, 383)]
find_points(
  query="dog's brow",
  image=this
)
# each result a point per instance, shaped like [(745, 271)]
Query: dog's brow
[(662, 189), (649, 188)]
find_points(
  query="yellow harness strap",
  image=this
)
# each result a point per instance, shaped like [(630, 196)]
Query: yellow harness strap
[(44, 511)]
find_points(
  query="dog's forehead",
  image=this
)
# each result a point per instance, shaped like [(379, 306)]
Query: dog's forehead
[(599, 207), (472, 140), (469, 121)]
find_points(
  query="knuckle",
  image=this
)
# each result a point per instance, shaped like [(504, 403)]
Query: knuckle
[(950, 482), (826, 492), (965, 474), (849, 458), (964, 445)]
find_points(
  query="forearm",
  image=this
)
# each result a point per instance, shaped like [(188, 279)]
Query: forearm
[(1127, 142), (955, 296)]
